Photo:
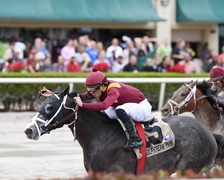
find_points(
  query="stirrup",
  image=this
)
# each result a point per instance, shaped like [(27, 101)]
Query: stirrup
[(128, 147)]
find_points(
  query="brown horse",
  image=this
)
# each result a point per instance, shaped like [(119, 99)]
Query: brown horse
[(188, 98)]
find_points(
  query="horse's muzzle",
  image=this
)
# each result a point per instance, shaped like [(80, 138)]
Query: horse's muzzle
[(165, 112), (28, 132), (31, 133)]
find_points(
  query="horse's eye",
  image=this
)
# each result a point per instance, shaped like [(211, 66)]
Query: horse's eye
[(49, 109), (182, 95)]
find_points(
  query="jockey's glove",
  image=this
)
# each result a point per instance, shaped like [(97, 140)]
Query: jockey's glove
[(218, 100), (214, 89)]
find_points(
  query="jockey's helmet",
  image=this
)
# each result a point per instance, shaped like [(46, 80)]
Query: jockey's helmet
[(95, 79), (216, 74)]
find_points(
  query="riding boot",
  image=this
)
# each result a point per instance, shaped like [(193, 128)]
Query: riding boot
[(134, 141)]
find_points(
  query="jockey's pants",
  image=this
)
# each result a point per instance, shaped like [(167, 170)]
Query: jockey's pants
[(138, 112)]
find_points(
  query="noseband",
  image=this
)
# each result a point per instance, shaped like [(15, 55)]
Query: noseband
[(175, 107)]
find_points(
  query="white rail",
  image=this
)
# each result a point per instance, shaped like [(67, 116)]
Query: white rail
[(71, 82)]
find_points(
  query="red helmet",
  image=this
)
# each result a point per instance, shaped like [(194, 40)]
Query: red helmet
[(216, 74), (95, 78)]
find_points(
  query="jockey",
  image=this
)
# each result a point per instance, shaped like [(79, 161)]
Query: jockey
[(217, 78), (117, 100)]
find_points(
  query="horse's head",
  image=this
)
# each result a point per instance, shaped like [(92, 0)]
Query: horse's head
[(53, 113), (179, 102)]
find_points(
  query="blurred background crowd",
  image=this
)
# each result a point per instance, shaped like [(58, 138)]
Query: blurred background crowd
[(121, 54)]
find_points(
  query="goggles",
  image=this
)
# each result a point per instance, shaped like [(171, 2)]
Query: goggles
[(93, 89)]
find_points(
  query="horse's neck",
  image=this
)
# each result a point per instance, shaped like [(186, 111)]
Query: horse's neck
[(208, 115), (84, 126), (90, 128)]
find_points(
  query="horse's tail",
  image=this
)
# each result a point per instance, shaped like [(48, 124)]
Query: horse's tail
[(220, 142)]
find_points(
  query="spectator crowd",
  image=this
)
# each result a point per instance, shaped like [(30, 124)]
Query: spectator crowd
[(125, 54)]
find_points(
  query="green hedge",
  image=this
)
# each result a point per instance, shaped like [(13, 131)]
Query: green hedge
[(110, 75), (24, 96)]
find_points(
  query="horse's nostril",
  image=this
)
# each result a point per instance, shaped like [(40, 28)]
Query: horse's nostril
[(28, 131), (164, 110)]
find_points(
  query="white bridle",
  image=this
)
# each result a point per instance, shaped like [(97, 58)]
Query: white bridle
[(45, 123), (175, 107)]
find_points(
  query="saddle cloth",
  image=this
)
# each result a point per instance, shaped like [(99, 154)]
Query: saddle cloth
[(159, 138)]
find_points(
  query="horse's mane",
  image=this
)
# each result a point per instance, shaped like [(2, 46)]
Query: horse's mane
[(204, 88), (73, 94), (96, 113)]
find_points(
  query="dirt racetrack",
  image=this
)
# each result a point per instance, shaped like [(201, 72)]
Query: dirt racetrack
[(54, 155)]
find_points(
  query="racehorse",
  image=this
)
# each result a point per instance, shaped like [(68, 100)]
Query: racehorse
[(102, 139), (191, 97)]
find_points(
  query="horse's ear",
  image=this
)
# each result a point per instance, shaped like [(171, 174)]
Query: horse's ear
[(189, 83), (194, 83), (66, 91), (59, 89)]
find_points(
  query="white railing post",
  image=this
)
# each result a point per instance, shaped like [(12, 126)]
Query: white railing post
[(71, 85), (161, 95)]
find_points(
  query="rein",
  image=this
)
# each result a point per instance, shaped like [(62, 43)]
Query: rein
[(50, 127)]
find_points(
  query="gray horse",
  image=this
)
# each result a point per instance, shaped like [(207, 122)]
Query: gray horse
[(102, 139)]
